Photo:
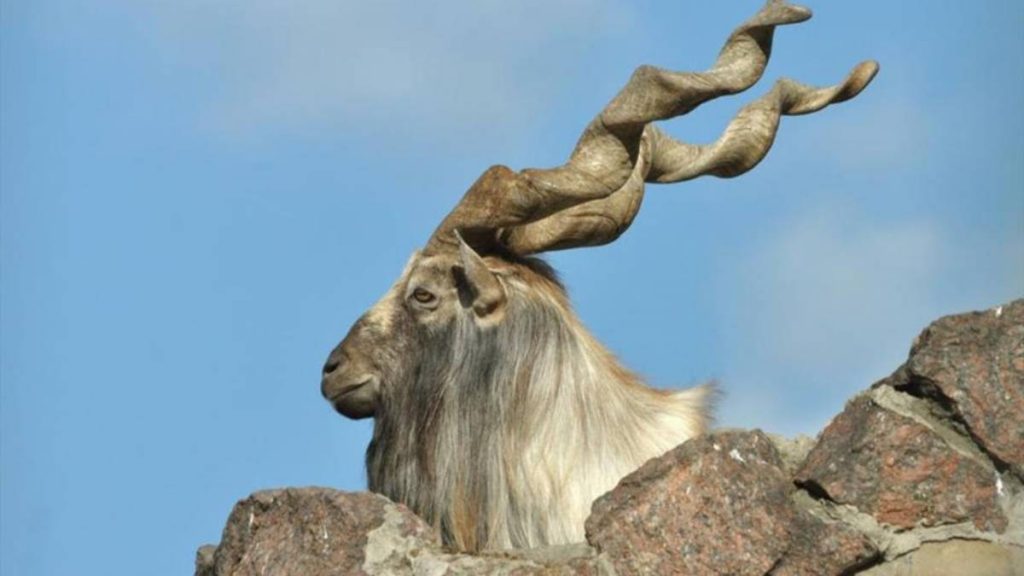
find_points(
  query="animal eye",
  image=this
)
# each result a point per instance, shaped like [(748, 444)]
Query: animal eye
[(423, 296)]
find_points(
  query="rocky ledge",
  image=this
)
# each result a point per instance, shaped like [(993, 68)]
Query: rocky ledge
[(921, 474)]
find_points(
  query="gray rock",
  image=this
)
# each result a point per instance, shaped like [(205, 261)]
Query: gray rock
[(324, 532), (955, 558), (320, 532), (792, 450), (205, 560)]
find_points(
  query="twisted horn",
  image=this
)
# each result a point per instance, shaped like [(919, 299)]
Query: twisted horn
[(593, 197), (664, 160)]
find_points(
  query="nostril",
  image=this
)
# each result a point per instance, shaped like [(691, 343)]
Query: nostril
[(335, 360), (331, 365)]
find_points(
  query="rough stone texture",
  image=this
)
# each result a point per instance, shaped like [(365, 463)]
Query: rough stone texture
[(817, 547), (900, 471), (572, 560), (955, 558), (324, 532), (205, 560), (919, 475), (317, 532), (718, 504), (792, 450), (974, 365)]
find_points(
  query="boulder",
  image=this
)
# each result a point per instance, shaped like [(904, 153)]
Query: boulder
[(718, 504), (972, 365), (325, 532), (318, 532), (900, 470)]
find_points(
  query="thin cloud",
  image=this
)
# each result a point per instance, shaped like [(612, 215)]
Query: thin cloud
[(887, 132), (822, 311), (438, 69)]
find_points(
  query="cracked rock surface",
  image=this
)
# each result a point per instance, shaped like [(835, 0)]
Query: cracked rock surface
[(325, 532), (719, 504), (973, 364), (317, 532), (900, 471), (922, 474)]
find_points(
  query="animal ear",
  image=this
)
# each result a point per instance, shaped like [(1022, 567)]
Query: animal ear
[(478, 287)]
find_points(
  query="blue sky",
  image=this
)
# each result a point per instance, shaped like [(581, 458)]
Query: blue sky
[(197, 198)]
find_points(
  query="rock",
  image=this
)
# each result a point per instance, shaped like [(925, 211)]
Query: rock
[(955, 558), (792, 450), (715, 504), (319, 532), (205, 560), (324, 532), (900, 471), (568, 560), (718, 504), (973, 364), (921, 474), (819, 547)]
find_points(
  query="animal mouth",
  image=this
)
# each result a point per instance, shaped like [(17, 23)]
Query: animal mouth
[(351, 399), (348, 389)]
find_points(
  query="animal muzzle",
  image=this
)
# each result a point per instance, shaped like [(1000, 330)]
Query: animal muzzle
[(350, 388)]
